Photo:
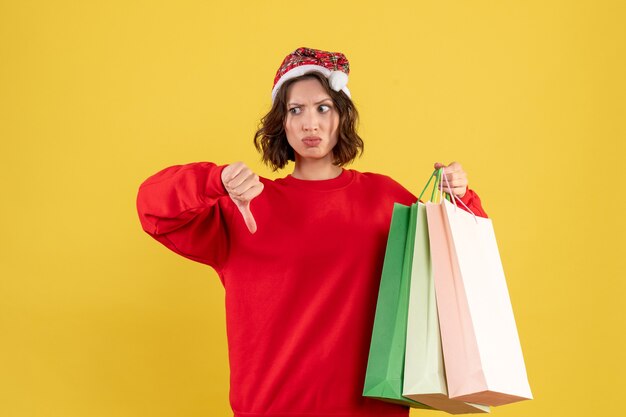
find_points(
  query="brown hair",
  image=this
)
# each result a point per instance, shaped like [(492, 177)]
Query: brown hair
[(271, 140)]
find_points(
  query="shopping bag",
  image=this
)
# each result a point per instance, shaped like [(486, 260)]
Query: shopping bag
[(424, 375), (481, 348), (385, 365)]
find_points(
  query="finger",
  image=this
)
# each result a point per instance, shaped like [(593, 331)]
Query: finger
[(239, 178), (244, 175), (456, 182), (454, 167), (248, 183), (454, 175), (232, 171), (248, 195), (253, 192), (248, 218), (228, 172), (442, 165), (458, 191)]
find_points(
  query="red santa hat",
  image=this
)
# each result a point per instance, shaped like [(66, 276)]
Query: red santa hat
[(333, 65)]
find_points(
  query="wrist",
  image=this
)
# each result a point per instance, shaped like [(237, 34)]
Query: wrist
[(465, 196)]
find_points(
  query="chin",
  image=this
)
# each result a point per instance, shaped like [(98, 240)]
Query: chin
[(313, 152), (314, 156)]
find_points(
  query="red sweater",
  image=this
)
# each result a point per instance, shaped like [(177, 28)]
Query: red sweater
[(300, 293)]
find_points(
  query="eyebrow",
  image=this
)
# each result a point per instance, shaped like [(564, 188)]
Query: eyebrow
[(319, 102)]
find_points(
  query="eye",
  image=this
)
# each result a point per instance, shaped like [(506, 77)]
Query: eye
[(323, 108), (295, 110)]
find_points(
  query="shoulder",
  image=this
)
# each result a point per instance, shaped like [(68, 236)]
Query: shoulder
[(386, 185), (373, 178)]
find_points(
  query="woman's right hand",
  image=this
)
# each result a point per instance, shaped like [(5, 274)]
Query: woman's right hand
[(242, 185)]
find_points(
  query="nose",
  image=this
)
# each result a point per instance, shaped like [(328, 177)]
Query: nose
[(310, 121)]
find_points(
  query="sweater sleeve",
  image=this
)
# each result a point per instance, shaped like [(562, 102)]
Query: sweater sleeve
[(187, 209), (472, 201)]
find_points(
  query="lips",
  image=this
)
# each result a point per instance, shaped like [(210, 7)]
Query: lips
[(312, 141)]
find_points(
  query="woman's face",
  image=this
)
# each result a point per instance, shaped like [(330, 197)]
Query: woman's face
[(312, 120)]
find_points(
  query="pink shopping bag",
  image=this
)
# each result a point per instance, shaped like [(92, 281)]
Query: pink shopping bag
[(481, 348)]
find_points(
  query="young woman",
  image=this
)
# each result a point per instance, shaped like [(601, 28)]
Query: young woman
[(300, 257)]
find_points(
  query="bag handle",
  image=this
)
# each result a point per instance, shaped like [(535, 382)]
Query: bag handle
[(442, 174), (454, 197), (436, 175)]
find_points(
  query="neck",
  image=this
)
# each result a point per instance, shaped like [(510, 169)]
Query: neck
[(315, 169)]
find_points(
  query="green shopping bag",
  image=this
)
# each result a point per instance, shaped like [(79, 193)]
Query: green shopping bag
[(385, 366)]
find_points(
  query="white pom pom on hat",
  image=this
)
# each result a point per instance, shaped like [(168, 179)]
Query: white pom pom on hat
[(338, 80), (333, 65)]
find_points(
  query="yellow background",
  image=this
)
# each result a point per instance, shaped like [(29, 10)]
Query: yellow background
[(97, 319)]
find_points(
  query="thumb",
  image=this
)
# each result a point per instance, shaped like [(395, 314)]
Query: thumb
[(248, 218)]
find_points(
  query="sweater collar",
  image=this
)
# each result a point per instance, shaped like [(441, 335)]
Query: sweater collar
[(345, 178)]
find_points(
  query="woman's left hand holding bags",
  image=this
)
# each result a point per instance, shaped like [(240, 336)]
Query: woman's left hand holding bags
[(457, 179)]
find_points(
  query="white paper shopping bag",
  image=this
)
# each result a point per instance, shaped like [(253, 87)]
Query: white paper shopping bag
[(482, 351)]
